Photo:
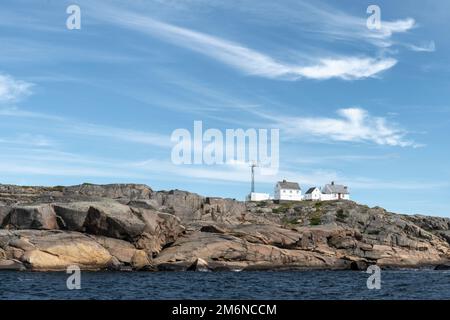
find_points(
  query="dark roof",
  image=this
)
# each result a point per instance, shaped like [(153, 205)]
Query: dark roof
[(335, 188), (310, 190), (289, 185)]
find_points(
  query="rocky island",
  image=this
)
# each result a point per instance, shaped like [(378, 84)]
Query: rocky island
[(132, 227)]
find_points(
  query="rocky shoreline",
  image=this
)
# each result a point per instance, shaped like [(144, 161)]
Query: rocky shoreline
[(131, 227)]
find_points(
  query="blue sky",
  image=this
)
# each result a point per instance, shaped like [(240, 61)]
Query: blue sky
[(366, 108)]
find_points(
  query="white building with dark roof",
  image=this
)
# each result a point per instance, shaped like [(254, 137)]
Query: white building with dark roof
[(285, 190), (334, 191), (313, 193)]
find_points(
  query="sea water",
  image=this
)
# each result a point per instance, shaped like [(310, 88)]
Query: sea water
[(399, 284)]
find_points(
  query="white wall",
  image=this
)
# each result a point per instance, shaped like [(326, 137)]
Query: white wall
[(315, 195), (255, 196), (334, 196), (328, 197), (288, 194)]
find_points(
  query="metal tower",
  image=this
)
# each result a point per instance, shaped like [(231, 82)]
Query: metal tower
[(253, 166)]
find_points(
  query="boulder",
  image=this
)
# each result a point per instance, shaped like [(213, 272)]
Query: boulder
[(114, 220), (185, 205), (140, 260), (56, 250), (31, 217), (73, 214), (11, 265), (342, 242), (199, 265), (4, 211), (122, 250), (124, 253), (268, 234), (161, 229)]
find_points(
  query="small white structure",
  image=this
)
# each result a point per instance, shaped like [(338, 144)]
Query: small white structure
[(285, 190), (256, 196), (334, 191), (314, 194)]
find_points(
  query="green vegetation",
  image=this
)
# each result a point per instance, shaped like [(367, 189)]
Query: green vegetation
[(283, 208), (341, 215), (315, 220), (287, 221), (261, 204)]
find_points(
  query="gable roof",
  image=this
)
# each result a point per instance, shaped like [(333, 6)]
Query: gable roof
[(289, 185), (311, 190), (335, 188)]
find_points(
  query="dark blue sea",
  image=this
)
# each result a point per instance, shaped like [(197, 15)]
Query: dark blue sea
[(411, 284)]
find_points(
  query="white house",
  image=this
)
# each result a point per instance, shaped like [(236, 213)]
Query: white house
[(256, 196), (334, 191), (285, 190), (313, 193)]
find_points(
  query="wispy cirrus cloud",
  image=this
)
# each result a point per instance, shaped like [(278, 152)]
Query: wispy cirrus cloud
[(352, 125), (78, 128), (425, 47), (28, 140), (12, 89), (239, 173), (247, 60), (321, 18)]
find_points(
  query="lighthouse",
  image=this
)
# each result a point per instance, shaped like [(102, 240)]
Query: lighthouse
[(255, 196)]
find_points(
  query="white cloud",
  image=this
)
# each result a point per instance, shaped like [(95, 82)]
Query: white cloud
[(129, 135), (353, 125), (28, 140), (328, 21), (12, 89), (425, 47), (341, 158), (248, 60), (347, 68), (20, 113), (71, 126), (240, 173), (390, 27)]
